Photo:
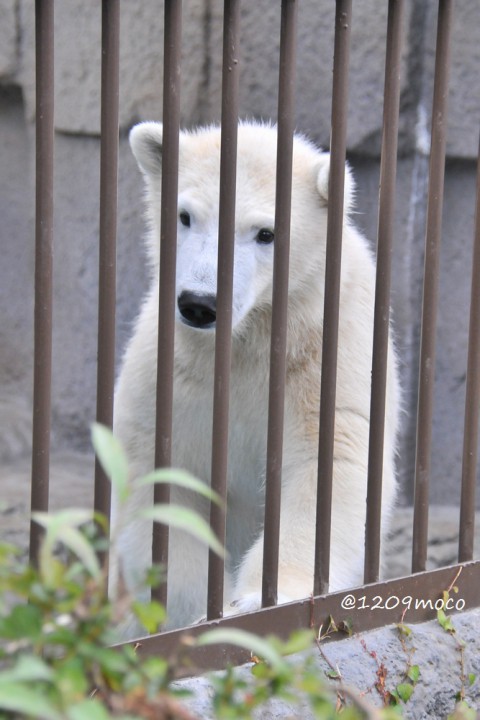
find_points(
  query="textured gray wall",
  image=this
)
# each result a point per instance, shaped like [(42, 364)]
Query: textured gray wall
[(358, 660), (77, 118)]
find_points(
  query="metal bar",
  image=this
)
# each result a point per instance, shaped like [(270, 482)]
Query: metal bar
[(168, 256), (278, 348), (223, 333), (343, 21), (472, 401), (108, 235), (410, 599), (386, 221), (430, 287), (42, 380)]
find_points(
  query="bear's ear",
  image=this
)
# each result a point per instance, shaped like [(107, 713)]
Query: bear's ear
[(146, 142), (322, 171)]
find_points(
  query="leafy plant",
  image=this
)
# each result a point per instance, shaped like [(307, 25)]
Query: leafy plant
[(404, 690), (463, 709), (57, 628)]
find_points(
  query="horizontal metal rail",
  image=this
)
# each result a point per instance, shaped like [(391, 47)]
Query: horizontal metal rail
[(411, 599)]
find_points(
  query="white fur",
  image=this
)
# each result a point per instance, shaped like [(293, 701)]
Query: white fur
[(194, 358)]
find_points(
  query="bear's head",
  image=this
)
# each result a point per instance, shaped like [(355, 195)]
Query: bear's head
[(198, 218)]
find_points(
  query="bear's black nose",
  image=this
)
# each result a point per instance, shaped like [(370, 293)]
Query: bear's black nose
[(198, 311)]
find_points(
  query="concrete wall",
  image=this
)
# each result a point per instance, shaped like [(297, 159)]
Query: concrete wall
[(361, 660), (77, 120)]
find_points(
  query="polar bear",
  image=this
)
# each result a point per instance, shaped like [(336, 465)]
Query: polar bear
[(196, 277)]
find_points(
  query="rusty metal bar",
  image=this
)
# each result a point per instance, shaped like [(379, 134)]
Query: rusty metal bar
[(343, 21), (410, 599), (42, 380), (472, 401), (108, 235), (430, 287), (278, 348), (386, 221), (223, 333), (168, 257)]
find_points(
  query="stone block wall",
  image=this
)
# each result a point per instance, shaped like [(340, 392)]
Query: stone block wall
[(77, 120)]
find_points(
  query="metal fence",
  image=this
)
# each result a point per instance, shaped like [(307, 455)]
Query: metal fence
[(311, 612)]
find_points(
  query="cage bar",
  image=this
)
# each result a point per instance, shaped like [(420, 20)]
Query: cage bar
[(168, 257), (44, 173), (386, 221), (343, 21), (223, 332), (472, 402), (430, 286), (278, 348), (108, 235)]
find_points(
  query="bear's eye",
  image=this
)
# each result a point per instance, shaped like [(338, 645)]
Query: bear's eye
[(185, 218), (265, 236)]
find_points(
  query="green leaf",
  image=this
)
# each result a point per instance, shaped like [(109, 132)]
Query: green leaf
[(102, 522), (471, 678), (346, 626), (23, 622), (151, 614), (395, 712), (297, 642), (394, 697), (445, 621), (112, 458), (441, 617), (8, 551), (18, 698), (157, 669), (79, 545), (62, 527), (404, 691), (90, 709), (184, 519), (332, 625), (413, 673), (463, 711), (28, 668), (71, 678), (110, 660), (404, 629), (155, 575), (256, 645), (181, 478)]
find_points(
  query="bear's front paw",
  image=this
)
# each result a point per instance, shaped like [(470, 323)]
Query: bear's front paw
[(249, 603)]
